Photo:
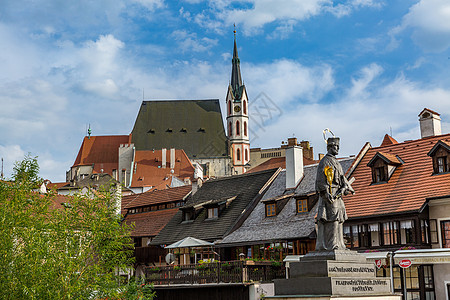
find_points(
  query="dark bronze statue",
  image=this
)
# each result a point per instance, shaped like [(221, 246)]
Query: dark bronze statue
[(331, 184)]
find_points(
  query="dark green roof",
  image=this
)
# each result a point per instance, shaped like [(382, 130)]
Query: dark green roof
[(195, 126), (244, 187)]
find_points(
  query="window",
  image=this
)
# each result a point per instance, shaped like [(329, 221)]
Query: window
[(380, 174), (238, 131), (445, 230), (213, 212), (270, 210), (390, 233), (433, 232), (238, 154), (425, 233), (229, 107), (230, 129), (407, 232), (188, 215), (441, 164), (302, 205), (245, 107), (245, 128), (246, 154)]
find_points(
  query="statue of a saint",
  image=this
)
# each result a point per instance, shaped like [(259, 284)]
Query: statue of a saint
[(331, 184)]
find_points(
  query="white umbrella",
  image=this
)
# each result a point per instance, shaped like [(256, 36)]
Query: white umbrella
[(189, 242)]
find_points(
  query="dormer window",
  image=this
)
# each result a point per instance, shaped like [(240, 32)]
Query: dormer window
[(271, 209), (213, 213), (440, 154), (302, 205), (383, 166), (188, 214)]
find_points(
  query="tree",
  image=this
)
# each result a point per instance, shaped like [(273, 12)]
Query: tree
[(60, 247)]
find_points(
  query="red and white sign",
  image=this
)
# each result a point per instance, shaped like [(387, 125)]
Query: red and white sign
[(378, 263), (405, 263)]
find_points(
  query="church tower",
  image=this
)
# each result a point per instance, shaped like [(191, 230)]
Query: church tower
[(237, 117)]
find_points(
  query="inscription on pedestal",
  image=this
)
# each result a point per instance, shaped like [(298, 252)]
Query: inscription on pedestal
[(360, 286), (337, 270)]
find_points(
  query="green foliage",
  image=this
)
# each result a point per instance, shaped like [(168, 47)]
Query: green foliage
[(26, 171), (54, 251)]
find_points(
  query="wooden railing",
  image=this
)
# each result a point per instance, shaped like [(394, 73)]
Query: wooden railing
[(217, 272)]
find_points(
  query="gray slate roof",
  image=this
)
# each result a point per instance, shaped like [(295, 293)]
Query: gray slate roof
[(287, 224), (245, 187), (195, 126)]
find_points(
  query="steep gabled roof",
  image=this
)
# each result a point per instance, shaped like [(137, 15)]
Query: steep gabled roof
[(156, 197), (388, 140), (195, 126), (149, 172), (101, 151), (386, 157), (245, 187), (409, 186), (150, 223), (278, 162), (440, 143)]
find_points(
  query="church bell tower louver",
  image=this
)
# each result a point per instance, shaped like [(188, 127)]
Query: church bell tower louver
[(237, 117)]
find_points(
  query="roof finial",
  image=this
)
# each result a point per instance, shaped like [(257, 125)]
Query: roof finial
[(89, 131), (234, 31)]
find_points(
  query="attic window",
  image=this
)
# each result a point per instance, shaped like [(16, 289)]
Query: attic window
[(213, 213), (152, 130), (188, 215), (302, 205), (440, 153), (383, 166), (169, 129), (201, 129), (271, 209), (183, 130)]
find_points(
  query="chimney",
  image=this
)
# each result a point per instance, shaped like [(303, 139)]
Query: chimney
[(321, 155), (164, 158), (294, 166), (430, 123), (292, 141), (196, 184), (172, 158)]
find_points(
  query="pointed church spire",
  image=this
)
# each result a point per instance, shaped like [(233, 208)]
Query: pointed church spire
[(236, 81)]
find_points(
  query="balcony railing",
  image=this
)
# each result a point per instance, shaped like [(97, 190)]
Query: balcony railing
[(216, 272)]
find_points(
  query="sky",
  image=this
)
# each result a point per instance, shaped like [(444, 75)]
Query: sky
[(362, 68)]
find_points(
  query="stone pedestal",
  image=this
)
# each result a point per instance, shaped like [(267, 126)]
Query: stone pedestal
[(333, 274)]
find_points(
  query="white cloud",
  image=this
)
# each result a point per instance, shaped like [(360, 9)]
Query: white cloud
[(190, 41), (10, 154), (151, 4), (360, 84), (429, 21)]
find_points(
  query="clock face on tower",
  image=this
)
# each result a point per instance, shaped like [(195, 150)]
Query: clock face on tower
[(237, 108)]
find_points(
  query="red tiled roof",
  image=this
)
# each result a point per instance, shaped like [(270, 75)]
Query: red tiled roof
[(388, 140), (150, 223), (277, 162), (431, 111), (56, 185), (102, 151), (155, 197), (409, 186), (149, 172)]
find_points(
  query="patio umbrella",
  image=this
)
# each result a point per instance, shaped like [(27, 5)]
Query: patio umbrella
[(189, 242)]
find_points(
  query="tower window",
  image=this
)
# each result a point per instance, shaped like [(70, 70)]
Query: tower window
[(245, 128), (230, 129), (238, 154), (245, 107), (229, 107), (238, 131), (246, 154)]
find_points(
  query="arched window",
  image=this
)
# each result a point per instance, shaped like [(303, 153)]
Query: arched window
[(229, 107), (238, 130), (230, 129), (245, 107), (246, 154), (238, 154), (245, 128)]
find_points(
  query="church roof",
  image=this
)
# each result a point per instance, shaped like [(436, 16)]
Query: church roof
[(236, 80), (195, 126)]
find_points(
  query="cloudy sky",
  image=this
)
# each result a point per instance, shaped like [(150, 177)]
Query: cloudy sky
[(363, 68)]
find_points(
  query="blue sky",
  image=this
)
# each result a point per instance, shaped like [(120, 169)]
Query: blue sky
[(360, 67)]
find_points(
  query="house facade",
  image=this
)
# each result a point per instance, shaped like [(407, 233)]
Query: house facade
[(401, 208)]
